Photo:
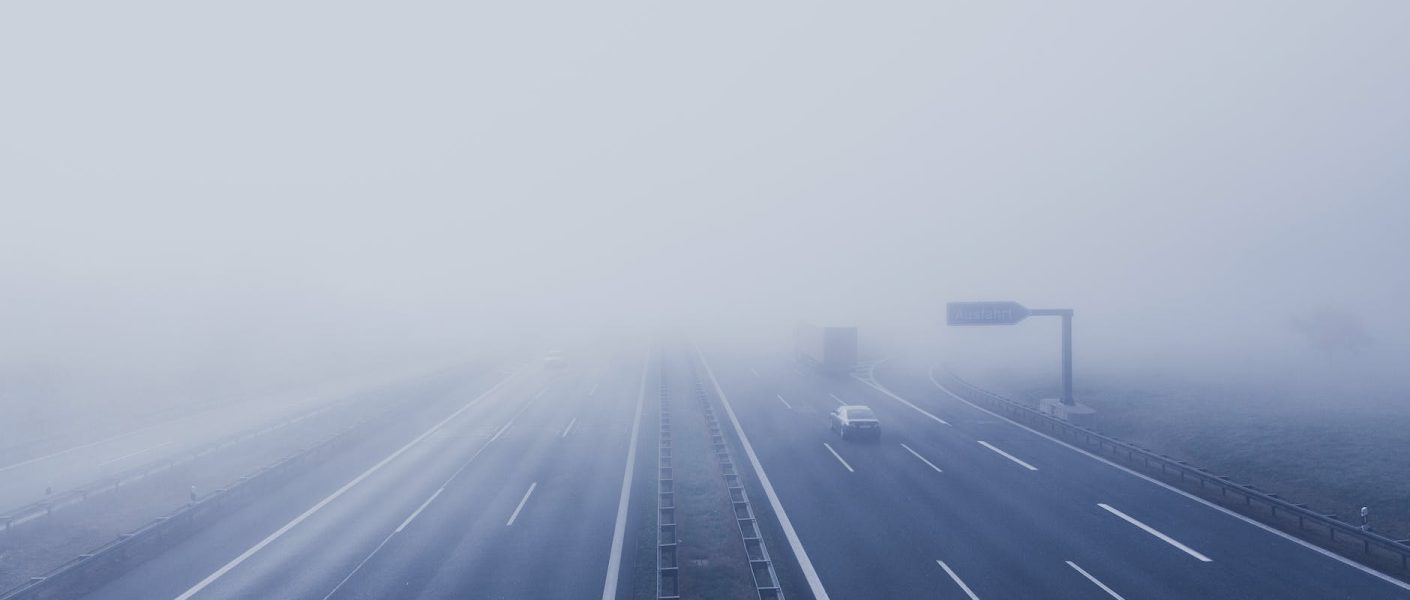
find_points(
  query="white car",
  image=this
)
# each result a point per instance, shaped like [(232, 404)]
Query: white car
[(856, 421)]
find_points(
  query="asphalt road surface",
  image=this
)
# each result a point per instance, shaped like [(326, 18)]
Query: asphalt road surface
[(512, 486)]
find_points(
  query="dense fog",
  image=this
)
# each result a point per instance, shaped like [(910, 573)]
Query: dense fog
[(206, 201)]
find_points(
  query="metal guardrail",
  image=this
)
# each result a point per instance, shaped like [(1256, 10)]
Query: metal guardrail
[(46, 506), (667, 542), (1342, 536), (90, 570), (761, 566)]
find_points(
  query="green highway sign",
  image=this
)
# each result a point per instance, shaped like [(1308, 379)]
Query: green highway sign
[(985, 313)]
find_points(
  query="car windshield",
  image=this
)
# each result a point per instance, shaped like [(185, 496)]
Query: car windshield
[(860, 413)]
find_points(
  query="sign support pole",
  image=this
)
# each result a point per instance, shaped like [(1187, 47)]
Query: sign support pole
[(1010, 313), (1066, 314), (1067, 359)]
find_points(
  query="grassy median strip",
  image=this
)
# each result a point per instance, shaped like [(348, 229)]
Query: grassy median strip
[(713, 563)]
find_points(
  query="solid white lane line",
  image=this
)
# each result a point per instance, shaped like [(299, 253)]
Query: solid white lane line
[(541, 392), (839, 400), (593, 391), (785, 402), (805, 564), (1095, 580), (922, 458), (839, 457), (1305, 544), (958, 581), (569, 427), (130, 455), (614, 562), (1162, 537), (521, 504), (1007, 455), (418, 511), (880, 388), (751, 370), (204, 583)]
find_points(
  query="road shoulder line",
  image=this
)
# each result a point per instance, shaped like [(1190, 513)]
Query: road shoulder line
[(619, 531), (804, 563)]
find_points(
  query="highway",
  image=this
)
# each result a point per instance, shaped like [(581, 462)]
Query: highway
[(511, 485), (955, 502), (502, 489), (124, 456)]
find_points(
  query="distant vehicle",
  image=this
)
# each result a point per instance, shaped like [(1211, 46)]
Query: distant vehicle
[(555, 360), (829, 349), (856, 421)]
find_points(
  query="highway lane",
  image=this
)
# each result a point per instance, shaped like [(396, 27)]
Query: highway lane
[(557, 544), (187, 563), (876, 530), (1002, 529), (1247, 560), (434, 521)]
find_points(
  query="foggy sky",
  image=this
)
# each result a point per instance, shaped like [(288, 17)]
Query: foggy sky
[(192, 190)]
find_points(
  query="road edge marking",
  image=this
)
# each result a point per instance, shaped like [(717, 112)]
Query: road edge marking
[(799, 554), (614, 561)]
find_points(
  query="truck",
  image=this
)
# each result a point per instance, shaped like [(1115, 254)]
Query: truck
[(827, 349)]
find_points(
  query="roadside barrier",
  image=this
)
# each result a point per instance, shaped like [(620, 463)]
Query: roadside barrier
[(667, 543), (46, 506)]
